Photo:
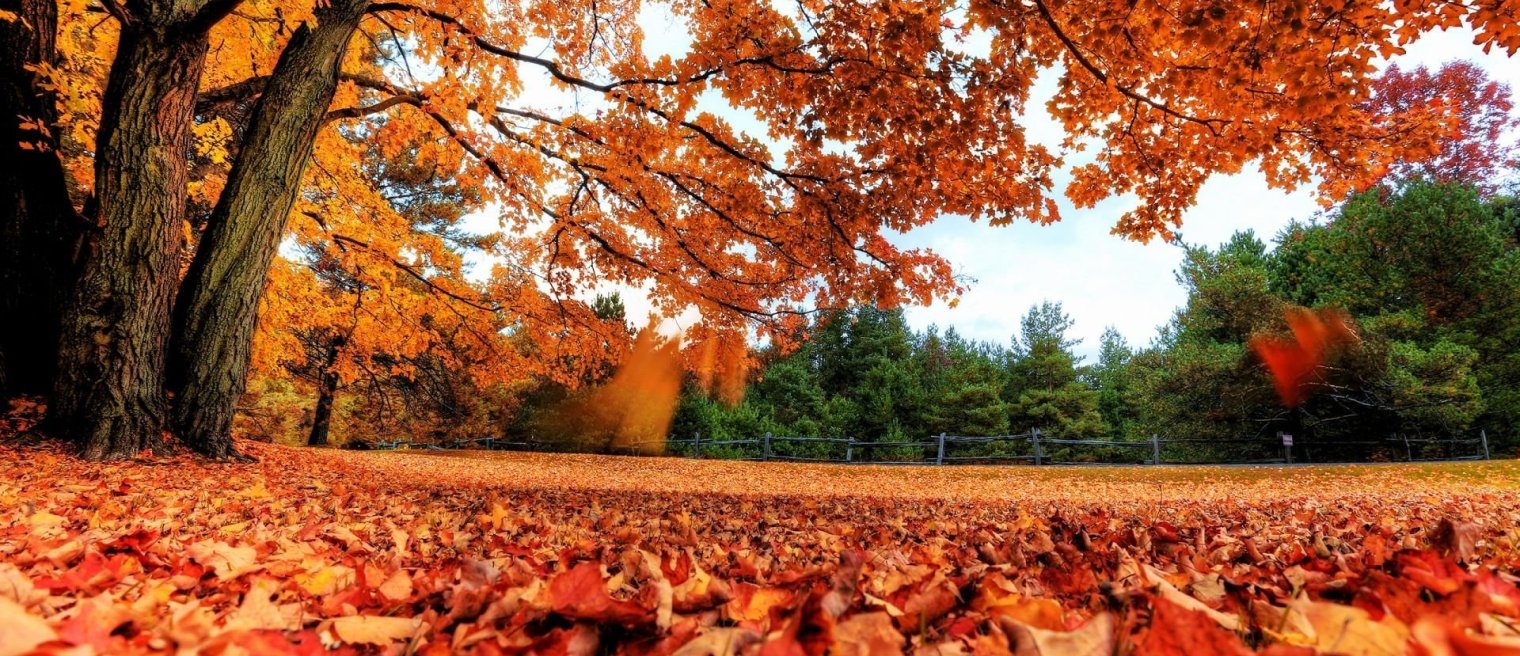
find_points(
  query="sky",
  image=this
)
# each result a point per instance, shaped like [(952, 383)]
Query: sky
[(1100, 279)]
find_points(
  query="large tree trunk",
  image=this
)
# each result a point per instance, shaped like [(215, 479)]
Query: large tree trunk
[(39, 229), (215, 315), (109, 397)]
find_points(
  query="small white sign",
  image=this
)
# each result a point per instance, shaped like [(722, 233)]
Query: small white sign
[(1287, 439)]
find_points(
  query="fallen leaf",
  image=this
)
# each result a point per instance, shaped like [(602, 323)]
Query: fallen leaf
[(867, 634), (227, 561), (373, 630), (1096, 637), (721, 641), (397, 587), (1349, 630), (21, 631)]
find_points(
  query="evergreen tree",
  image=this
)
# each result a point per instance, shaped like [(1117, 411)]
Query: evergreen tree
[(1044, 387), (1111, 376)]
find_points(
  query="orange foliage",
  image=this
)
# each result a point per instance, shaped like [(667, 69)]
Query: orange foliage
[(540, 553), (1294, 362)]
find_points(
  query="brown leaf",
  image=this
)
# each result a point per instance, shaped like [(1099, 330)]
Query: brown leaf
[(1457, 538)]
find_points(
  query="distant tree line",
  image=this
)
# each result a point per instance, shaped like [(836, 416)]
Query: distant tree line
[(1430, 273)]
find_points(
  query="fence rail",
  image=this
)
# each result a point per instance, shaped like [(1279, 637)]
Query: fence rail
[(1032, 447)]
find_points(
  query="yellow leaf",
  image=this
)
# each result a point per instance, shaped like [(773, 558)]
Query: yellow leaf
[(326, 580), (372, 630), (258, 491), (43, 518)]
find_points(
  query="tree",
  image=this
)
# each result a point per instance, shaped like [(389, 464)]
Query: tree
[(971, 401), (1044, 387), (1457, 305), (1470, 111), (109, 393), (1113, 378), (215, 312), (638, 185), (39, 227), (1199, 381)]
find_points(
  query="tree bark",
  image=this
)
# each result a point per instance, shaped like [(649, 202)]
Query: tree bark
[(327, 389), (109, 395), (39, 229), (216, 312)]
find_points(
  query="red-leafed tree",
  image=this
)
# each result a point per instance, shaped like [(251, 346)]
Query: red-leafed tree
[(1473, 112)]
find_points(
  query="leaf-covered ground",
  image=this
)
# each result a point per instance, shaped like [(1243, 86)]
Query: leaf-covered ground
[(309, 550)]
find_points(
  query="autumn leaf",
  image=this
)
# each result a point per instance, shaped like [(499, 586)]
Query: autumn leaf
[(1095, 637), (825, 567), (1348, 630), (258, 610), (372, 630), (752, 603), (581, 593), (227, 561), (1294, 362), (867, 634), (1179, 630), (21, 631), (397, 587), (722, 641)]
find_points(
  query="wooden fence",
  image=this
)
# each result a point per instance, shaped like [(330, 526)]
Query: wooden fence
[(1032, 448)]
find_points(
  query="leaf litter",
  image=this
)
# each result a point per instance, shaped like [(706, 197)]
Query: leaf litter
[(310, 551)]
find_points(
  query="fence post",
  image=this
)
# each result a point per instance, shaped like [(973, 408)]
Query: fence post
[(1483, 435), (939, 458), (766, 453), (1155, 449), (1408, 452), (1038, 456), (696, 447), (849, 449)]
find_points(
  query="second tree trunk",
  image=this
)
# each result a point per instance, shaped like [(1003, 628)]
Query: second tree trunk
[(215, 315)]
